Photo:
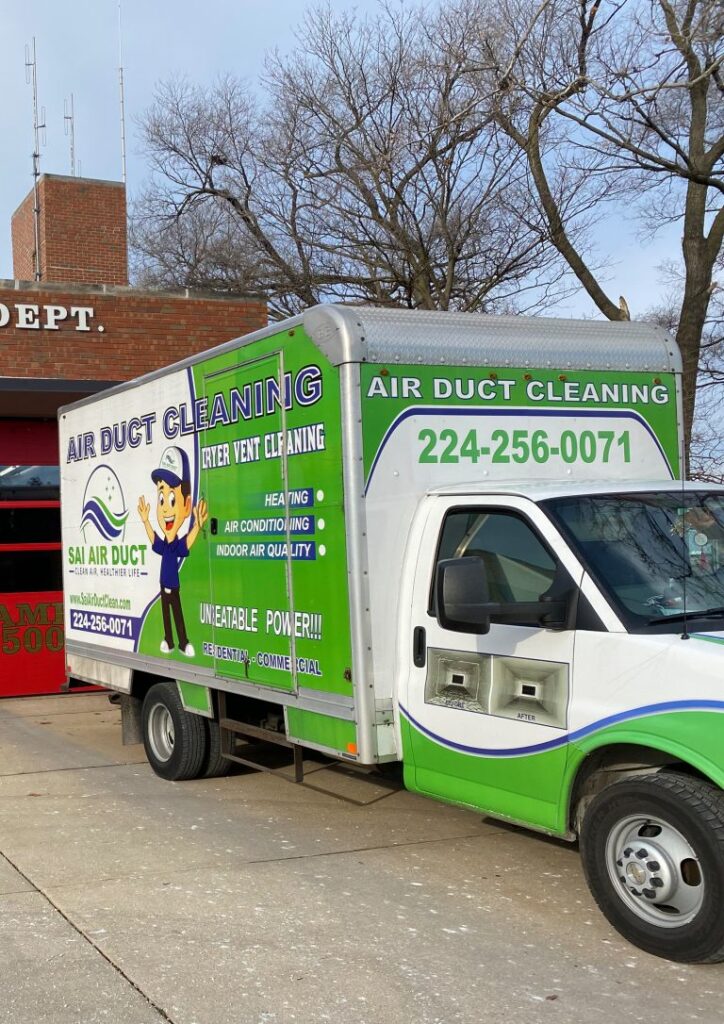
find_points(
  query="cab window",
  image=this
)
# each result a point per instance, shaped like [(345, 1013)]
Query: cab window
[(518, 565)]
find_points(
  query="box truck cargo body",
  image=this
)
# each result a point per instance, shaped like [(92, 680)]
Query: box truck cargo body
[(449, 540)]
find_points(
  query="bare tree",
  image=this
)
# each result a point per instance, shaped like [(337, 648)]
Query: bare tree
[(365, 172), (706, 450), (205, 249), (627, 97), (453, 157), (209, 177)]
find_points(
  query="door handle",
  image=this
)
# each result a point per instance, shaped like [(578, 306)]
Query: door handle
[(419, 647)]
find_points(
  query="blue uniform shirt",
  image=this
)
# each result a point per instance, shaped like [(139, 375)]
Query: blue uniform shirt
[(171, 553)]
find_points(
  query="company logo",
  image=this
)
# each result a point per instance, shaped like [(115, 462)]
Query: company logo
[(104, 507), (173, 467)]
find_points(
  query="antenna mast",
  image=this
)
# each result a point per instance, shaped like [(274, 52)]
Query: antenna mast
[(31, 76), (121, 95), (69, 121)]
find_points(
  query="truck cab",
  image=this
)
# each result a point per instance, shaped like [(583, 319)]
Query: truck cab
[(555, 639)]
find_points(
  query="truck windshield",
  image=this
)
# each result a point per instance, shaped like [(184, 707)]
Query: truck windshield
[(658, 556)]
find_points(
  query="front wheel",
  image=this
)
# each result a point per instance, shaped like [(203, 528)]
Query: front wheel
[(176, 742), (653, 854)]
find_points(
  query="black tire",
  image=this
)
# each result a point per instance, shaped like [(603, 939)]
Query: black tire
[(635, 844), (215, 766), (176, 742)]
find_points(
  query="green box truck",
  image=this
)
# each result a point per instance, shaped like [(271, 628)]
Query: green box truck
[(454, 541)]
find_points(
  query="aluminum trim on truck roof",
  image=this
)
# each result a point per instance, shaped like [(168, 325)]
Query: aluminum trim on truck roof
[(352, 334), (358, 334)]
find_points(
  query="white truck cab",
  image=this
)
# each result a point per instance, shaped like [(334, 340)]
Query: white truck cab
[(556, 638)]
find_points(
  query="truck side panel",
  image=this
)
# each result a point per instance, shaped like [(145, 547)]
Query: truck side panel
[(258, 596)]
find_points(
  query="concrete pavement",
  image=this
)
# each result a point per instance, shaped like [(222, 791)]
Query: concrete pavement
[(250, 900)]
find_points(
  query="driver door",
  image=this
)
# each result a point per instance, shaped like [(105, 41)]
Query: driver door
[(486, 715)]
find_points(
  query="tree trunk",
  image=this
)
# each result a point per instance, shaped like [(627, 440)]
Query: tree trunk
[(699, 254), (694, 307)]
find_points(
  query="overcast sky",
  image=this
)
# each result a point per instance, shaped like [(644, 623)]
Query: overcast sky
[(77, 52)]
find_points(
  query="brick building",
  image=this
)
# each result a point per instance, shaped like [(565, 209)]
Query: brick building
[(81, 327), (70, 326)]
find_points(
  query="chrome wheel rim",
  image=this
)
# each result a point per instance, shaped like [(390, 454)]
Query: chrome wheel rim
[(655, 871), (160, 732)]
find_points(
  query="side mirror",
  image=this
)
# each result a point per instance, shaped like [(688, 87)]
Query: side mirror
[(461, 592), (463, 600)]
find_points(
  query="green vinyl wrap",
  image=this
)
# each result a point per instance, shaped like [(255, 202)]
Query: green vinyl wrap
[(238, 604), (196, 698), (333, 734), (381, 408), (535, 789)]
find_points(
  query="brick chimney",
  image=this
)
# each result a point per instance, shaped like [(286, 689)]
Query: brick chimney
[(82, 232)]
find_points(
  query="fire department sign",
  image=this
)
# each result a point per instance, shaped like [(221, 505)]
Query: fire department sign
[(30, 316)]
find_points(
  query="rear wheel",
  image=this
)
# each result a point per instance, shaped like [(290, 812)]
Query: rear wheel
[(653, 854), (215, 765), (176, 742)]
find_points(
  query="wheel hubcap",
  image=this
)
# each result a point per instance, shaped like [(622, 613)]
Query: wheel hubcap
[(160, 732), (655, 871)]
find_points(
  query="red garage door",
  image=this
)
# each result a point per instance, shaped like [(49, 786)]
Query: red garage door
[(31, 608)]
